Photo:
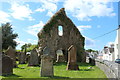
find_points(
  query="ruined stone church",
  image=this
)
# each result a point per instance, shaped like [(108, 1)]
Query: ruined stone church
[(49, 36)]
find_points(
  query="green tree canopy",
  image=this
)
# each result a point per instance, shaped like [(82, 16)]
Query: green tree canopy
[(8, 36), (91, 50), (28, 47)]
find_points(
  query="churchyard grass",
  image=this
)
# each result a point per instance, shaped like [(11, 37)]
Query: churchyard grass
[(23, 71)]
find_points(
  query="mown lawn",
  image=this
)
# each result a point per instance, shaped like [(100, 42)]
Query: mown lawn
[(23, 71)]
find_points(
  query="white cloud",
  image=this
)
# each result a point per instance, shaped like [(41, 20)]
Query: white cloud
[(82, 27), (50, 0), (40, 10), (85, 9), (21, 12), (48, 5), (34, 29), (4, 17), (89, 42), (50, 14), (21, 42)]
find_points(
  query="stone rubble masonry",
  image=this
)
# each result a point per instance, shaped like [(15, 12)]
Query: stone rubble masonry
[(72, 60), (60, 58), (49, 37), (46, 66)]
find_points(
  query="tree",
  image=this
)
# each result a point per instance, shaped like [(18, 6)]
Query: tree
[(28, 47), (8, 36)]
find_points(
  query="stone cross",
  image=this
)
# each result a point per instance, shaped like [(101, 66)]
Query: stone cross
[(7, 65), (11, 53), (46, 66), (72, 59)]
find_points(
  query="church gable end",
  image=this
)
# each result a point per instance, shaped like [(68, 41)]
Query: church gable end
[(49, 36)]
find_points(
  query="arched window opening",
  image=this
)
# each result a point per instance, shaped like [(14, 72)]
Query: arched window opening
[(60, 30)]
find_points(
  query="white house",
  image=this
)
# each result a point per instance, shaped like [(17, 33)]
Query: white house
[(107, 53), (117, 44), (112, 52)]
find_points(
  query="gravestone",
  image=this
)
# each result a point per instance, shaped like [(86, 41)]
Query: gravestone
[(46, 66), (60, 56), (92, 61), (11, 53), (72, 65), (21, 57), (33, 61), (7, 65)]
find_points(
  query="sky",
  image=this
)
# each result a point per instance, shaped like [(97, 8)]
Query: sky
[(93, 18)]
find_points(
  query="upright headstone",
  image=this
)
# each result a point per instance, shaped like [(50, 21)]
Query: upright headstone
[(72, 65), (92, 61), (7, 65), (11, 53), (22, 57), (46, 66), (60, 56), (33, 61)]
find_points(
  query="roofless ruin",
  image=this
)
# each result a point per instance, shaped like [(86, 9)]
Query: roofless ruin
[(50, 39)]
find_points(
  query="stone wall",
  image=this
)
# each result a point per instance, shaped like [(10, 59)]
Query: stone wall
[(49, 37), (110, 68)]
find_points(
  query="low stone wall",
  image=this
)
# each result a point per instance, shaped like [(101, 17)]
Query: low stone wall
[(109, 68)]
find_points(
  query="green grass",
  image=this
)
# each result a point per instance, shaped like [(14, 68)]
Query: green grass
[(59, 72)]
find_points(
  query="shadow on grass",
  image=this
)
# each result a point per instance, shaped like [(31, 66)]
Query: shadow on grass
[(86, 70), (84, 64), (59, 77), (60, 63), (65, 63), (12, 75)]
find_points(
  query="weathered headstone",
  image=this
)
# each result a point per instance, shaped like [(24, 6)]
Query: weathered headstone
[(11, 53), (92, 61), (22, 57), (72, 65), (46, 66), (33, 61), (7, 65), (60, 56)]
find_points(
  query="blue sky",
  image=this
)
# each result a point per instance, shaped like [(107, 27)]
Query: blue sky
[(92, 17)]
